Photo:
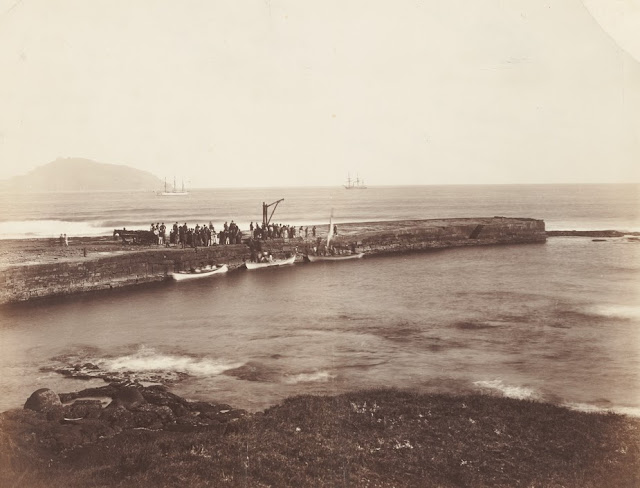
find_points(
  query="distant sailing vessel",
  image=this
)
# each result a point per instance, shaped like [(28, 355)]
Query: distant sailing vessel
[(173, 192), (356, 184)]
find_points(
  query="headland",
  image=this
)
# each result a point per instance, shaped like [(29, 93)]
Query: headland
[(38, 268)]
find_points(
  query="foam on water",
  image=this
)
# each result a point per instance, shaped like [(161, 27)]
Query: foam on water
[(509, 391), (50, 229), (585, 407), (318, 376), (620, 311), (149, 360)]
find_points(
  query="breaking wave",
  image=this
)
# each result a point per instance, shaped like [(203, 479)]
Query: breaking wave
[(149, 360), (509, 391), (619, 311), (50, 229), (318, 376), (585, 407)]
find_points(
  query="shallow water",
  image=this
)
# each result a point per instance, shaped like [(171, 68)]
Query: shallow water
[(558, 322)]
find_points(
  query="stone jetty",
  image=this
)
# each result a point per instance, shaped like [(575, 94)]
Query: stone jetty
[(39, 268)]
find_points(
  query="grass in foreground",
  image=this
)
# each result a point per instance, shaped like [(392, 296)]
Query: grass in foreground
[(372, 438)]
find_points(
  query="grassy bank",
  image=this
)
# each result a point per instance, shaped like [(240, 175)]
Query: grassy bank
[(373, 438)]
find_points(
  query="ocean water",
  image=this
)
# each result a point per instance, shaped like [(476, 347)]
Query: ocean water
[(563, 207), (556, 322)]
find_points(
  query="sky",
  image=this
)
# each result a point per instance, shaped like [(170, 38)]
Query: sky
[(285, 93)]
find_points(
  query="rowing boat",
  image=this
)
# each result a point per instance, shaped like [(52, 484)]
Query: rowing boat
[(336, 257), (200, 272), (275, 262)]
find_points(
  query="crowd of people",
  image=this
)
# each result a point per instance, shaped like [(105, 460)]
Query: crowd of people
[(279, 231), (206, 235), (199, 236)]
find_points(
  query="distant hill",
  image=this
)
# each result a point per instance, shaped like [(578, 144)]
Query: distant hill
[(77, 174)]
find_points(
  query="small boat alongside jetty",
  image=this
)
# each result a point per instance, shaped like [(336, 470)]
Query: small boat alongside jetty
[(275, 262), (200, 272), (333, 257), (326, 252)]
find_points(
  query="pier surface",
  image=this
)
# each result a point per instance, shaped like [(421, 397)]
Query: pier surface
[(37, 268)]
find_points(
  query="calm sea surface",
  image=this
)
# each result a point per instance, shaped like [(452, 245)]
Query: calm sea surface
[(561, 206), (558, 322)]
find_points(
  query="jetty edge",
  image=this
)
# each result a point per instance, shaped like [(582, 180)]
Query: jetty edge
[(148, 437), (38, 268)]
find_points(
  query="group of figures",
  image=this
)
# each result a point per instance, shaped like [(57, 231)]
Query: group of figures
[(205, 235), (279, 231), (199, 236)]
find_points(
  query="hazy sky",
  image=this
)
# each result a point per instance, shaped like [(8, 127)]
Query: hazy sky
[(264, 93)]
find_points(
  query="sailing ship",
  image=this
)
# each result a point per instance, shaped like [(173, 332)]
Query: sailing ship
[(356, 184), (174, 191)]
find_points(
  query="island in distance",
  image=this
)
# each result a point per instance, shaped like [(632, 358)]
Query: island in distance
[(78, 174)]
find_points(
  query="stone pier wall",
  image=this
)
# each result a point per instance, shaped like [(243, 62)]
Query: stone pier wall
[(100, 271)]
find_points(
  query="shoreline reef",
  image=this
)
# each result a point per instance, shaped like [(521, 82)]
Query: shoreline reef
[(148, 437)]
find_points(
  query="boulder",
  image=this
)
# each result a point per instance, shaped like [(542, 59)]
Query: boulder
[(43, 400), (128, 397)]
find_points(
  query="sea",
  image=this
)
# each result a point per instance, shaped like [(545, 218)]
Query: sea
[(556, 322)]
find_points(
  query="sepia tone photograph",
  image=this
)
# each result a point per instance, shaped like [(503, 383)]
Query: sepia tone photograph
[(282, 243)]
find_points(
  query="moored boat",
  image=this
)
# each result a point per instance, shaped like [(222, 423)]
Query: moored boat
[(266, 264), (329, 253), (200, 272), (336, 257)]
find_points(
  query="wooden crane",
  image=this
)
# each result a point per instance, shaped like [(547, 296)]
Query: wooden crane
[(266, 218)]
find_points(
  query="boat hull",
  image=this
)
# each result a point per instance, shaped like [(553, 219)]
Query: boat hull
[(278, 262), (182, 276), (340, 257)]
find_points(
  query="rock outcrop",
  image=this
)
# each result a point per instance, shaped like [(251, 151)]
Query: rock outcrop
[(43, 400), (73, 419)]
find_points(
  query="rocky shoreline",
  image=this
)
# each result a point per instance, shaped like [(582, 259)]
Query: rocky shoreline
[(125, 434)]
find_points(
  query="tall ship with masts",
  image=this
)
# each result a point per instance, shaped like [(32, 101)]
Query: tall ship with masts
[(174, 191), (355, 184)]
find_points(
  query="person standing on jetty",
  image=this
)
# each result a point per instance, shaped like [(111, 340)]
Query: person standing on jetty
[(66, 241), (161, 235)]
